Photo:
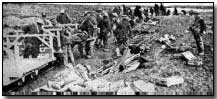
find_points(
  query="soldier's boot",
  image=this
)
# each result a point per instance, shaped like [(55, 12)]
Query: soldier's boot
[(87, 51), (90, 51), (81, 50), (71, 55), (201, 52), (200, 46), (65, 55), (105, 43)]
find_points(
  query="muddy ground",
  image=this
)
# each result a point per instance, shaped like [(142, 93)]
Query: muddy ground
[(197, 78)]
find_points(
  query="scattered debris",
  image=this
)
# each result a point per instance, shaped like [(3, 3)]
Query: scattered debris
[(126, 90), (195, 62), (188, 55), (131, 66), (143, 86), (167, 39), (77, 88), (173, 80), (114, 86), (98, 85)]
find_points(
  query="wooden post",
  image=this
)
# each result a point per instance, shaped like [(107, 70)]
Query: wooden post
[(51, 46), (58, 40)]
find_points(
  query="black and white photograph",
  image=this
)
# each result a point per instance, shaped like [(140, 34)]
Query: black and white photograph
[(108, 48)]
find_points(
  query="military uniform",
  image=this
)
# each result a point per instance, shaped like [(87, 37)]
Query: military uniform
[(45, 20), (89, 25), (123, 32), (63, 18), (197, 29), (105, 28), (66, 40)]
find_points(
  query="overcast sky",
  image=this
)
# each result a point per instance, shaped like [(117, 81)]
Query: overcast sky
[(166, 4)]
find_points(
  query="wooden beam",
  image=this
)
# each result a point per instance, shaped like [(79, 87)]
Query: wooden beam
[(42, 40), (28, 35)]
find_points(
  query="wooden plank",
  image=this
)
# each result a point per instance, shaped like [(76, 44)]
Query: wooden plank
[(58, 39), (51, 46)]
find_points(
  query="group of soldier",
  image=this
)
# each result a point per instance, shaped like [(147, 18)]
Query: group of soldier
[(96, 28)]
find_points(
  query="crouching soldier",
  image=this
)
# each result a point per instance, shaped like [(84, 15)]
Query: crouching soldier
[(32, 44), (198, 29), (122, 33)]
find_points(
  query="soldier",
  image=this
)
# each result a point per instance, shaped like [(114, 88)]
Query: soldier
[(156, 9), (105, 29), (123, 32), (129, 12), (45, 20), (117, 10), (175, 12), (66, 40), (168, 12), (138, 12), (63, 18), (198, 29), (66, 37), (151, 11), (32, 44), (90, 26), (145, 12), (162, 9), (99, 15)]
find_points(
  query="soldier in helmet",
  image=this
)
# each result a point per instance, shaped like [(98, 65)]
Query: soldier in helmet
[(90, 26), (123, 32), (66, 40), (63, 18), (45, 20), (32, 44), (198, 29), (105, 29)]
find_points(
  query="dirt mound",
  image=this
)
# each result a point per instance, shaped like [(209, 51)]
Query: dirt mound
[(11, 20), (15, 21)]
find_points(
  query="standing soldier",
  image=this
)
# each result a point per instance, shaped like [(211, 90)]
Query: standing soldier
[(198, 29), (66, 46), (99, 16), (123, 32), (168, 12), (151, 11), (156, 9), (117, 10), (175, 12), (45, 20), (63, 18), (90, 26), (105, 29), (138, 12)]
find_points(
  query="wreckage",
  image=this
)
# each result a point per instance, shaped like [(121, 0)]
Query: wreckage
[(81, 78)]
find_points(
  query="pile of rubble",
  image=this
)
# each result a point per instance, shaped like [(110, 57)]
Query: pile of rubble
[(81, 78)]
